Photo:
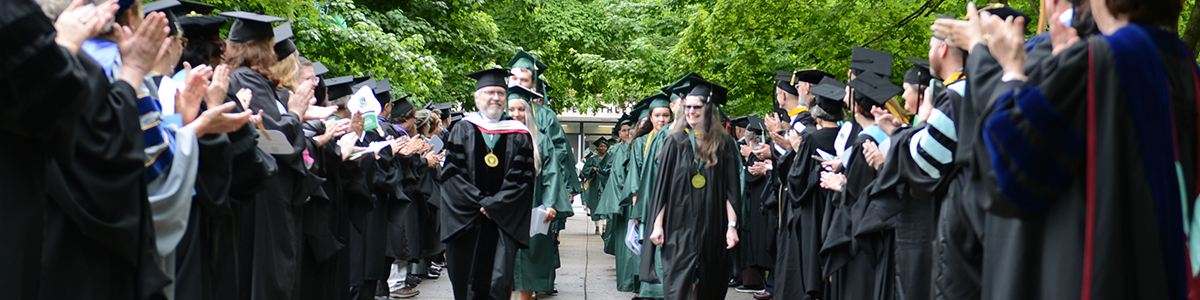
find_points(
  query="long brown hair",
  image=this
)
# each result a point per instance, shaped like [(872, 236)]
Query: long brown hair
[(258, 55), (711, 135), (288, 71)]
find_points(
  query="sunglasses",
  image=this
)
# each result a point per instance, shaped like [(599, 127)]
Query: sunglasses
[(693, 107)]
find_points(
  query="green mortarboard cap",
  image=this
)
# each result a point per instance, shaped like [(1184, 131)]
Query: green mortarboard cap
[(520, 92), (871, 60), (490, 77), (659, 100), (874, 90), (284, 46), (642, 112), (250, 26), (599, 141), (525, 60)]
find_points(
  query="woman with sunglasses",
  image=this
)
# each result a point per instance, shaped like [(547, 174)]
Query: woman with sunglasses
[(696, 190)]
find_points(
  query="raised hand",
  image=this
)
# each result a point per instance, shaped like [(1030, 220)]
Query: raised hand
[(299, 99), (215, 94), (80, 22), (357, 123), (962, 34), (142, 49), (187, 101), (1061, 35), (244, 95), (219, 120)]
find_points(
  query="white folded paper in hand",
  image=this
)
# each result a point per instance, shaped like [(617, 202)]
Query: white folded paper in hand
[(633, 239), (537, 221)]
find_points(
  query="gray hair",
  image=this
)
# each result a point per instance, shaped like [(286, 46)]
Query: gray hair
[(53, 8), (820, 113)]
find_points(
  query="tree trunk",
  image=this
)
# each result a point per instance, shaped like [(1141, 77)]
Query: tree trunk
[(1191, 32)]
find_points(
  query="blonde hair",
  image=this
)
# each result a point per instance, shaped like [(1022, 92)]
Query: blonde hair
[(288, 70), (533, 134)]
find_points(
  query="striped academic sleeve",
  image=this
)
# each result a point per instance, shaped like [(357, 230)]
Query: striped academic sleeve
[(932, 147), (1033, 148)]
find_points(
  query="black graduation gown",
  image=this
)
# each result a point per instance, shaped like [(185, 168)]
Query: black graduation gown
[(851, 265), (694, 220), (319, 276), (98, 222), (385, 239), (270, 234), (797, 265), (1126, 208), (480, 251), (759, 222), (34, 73)]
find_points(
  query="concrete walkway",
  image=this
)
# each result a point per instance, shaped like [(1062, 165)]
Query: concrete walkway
[(586, 274)]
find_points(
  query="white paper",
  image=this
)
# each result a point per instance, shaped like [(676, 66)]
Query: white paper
[(633, 239), (537, 221), (166, 95)]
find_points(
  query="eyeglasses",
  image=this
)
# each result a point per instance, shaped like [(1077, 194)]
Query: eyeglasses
[(492, 94), (693, 107)]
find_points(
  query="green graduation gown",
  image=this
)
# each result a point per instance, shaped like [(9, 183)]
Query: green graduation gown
[(645, 190), (596, 179), (534, 271)]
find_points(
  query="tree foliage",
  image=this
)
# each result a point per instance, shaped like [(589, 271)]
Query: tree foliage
[(606, 53)]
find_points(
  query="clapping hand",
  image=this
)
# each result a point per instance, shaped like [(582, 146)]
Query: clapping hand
[(215, 94), (874, 156), (299, 99), (833, 181), (757, 169), (142, 49), (187, 101), (219, 120), (79, 22)]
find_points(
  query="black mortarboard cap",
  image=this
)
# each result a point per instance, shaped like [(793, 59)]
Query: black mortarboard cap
[(682, 86), (401, 106), (383, 91), (780, 113), (167, 7), (319, 69), (919, 73), (783, 81), (523, 93), (716, 93), (756, 125), (122, 5), (874, 90), (284, 46), (742, 121), (455, 117), (490, 77), (444, 107), (361, 82), (871, 60), (201, 26), (829, 95), (193, 9), (1004, 11), (250, 26), (812, 76), (339, 87)]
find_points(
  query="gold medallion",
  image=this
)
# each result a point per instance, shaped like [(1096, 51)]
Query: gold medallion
[(491, 160), (698, 181)]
